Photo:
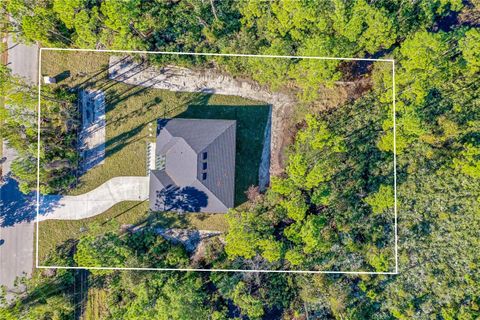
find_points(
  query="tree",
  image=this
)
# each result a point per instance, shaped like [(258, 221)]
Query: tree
[(182, 300), (382, 199), (360, 22), (38, 22), (249, 306), (244, 235), (470, 50), (105, 251), (310, 74), (468, 161)]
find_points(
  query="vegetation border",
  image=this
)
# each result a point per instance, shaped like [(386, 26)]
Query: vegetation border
[(396, 270)]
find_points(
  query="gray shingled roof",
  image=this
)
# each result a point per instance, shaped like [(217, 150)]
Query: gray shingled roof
[(182, 185), (160, 180), (198, 133)]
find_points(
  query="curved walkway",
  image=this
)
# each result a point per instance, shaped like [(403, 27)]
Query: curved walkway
[(94, 202)]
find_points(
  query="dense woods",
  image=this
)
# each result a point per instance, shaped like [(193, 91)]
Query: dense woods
[(332, 209)]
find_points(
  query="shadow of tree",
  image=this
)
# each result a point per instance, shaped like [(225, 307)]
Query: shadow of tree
[(120, 141), (167, 219), (186, 199), (90, 81), (16, 207)]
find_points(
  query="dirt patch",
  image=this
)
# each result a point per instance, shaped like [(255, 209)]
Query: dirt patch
[(286, 110), (187, 237)]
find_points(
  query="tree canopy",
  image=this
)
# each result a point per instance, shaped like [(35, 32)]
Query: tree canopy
[(332, 208)]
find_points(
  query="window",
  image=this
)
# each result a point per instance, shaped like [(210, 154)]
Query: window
[(204, 156), (204, 176), (160, 162), (204, 166)]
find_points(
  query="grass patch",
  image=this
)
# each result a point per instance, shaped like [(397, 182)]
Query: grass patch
[(74, 69), (96, 304), (52, 233), (200, 221)]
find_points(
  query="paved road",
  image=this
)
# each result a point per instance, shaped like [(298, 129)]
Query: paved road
[(23, 60), (17, 212), (96, 201), (16, 209), (10, 154), (16, 253)]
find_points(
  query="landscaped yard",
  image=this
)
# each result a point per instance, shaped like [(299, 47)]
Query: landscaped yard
[(53, 233), (129, 111)]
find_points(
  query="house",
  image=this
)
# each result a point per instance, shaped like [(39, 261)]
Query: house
[(194, 166)]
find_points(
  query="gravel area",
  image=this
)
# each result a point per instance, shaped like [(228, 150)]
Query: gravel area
[(189, 238), (92, 136)]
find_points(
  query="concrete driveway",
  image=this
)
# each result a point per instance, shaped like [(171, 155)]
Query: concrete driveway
[(96, 201)]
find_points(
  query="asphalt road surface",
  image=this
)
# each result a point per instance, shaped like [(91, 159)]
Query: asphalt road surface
[(23, 60), (16, 253), (16, 228)]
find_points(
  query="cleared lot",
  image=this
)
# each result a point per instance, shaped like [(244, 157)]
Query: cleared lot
[(129, 111)]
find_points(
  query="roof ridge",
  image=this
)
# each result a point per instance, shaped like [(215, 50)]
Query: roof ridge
[(233, 122), (188, 144)]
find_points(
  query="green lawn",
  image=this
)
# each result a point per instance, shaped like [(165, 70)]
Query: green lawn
[(52, 233), (129, 110)]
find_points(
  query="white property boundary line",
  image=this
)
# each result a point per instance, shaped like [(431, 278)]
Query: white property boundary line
[(396, 271)]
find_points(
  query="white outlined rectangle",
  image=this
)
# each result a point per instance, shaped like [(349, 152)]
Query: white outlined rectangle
[(396, 270)]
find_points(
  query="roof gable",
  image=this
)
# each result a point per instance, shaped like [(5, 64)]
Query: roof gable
[(197, 133), (200, 155)]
